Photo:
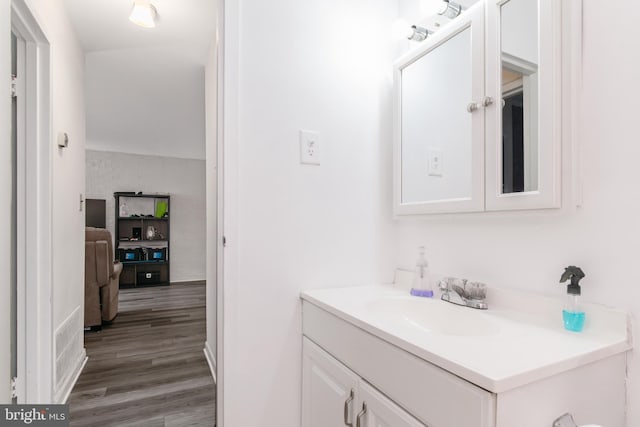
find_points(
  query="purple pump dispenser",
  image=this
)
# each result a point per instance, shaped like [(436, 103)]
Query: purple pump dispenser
[(421, 280)]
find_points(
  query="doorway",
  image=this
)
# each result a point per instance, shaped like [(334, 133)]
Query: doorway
[(34, 360), (129, 53)]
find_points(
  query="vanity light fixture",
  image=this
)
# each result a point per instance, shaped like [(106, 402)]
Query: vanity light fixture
[(418, 34), (450, 9), (143, 14)]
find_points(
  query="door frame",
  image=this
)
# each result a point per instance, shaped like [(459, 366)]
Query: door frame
[(34, 212), (220, 206)]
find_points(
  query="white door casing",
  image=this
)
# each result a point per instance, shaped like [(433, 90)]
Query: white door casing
[(34, 306)]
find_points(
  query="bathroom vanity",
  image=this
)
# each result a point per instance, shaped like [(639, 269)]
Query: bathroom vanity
[(375, 356)]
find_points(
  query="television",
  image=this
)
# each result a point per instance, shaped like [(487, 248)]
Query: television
[(95, 213), (157, 254)]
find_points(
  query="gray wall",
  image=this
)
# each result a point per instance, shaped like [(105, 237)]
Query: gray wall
[(136, 105), (183, 179)]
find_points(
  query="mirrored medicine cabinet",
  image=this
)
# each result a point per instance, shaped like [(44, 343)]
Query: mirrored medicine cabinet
[(477, 112)]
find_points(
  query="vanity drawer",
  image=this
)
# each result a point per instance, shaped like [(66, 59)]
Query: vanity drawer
[(429, 393)]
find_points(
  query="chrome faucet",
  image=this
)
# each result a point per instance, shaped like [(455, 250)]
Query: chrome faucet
[(462, 292)]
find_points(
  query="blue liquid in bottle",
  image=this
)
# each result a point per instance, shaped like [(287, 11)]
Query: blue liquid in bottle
[(573, 321)]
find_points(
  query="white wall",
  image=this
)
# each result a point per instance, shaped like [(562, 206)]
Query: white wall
[(147, 100), (183, 179), (5, 204), (211, 111), (68, 172), (316, 65), (295, 227), (67, 74), (530, 250)]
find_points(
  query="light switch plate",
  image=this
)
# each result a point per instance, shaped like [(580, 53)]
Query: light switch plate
[(309, 147), (63, 140), (434, 162)]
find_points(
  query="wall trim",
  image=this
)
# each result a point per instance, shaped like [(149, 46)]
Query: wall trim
[(65, 391), (187, 280), (202, 282), (137, 152), (211, 361)]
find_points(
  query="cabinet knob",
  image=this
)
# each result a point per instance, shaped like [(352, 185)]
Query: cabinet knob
[(473, 106), (487, 101)]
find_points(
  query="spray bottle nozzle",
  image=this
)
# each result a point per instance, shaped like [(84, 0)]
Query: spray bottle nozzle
[(574, 274)]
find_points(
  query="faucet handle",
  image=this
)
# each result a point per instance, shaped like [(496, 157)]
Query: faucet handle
[(444, 284), (476, 290), (565, 421)]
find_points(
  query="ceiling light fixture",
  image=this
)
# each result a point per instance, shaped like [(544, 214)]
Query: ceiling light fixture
[(418, 34), (143, 14)]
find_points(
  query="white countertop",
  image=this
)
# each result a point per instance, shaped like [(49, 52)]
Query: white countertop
[(527, 341)]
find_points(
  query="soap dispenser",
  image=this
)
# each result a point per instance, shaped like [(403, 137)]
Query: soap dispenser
[(573, 315), (421, 279)]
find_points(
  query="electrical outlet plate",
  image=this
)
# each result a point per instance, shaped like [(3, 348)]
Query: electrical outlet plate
[(309, 147)]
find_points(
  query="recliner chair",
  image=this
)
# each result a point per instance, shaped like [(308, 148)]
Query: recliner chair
[(101, 278)]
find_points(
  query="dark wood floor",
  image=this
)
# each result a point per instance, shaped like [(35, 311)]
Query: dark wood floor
[(148, 367)]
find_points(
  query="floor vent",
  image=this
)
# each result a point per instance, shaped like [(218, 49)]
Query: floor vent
[(68, 347)]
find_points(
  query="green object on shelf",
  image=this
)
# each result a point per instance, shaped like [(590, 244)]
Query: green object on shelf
[(161, 208)]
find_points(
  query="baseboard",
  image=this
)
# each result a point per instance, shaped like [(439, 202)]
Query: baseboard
[(189, 282), (65, 392), (211, 360)]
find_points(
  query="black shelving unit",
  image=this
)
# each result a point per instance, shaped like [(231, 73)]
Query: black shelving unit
[(145, 256)]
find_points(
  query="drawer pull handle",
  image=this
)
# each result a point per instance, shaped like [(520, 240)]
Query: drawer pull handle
[(347, 404), (361, 414)]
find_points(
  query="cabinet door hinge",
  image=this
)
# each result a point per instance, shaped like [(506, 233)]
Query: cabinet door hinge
[(14, 387), (14, 86)]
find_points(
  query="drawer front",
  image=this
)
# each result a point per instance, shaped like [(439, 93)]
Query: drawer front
[(431, 394)]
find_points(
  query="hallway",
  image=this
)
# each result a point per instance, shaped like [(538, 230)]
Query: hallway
[(148, 368)]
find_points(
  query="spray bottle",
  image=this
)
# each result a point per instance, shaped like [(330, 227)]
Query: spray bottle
[(573, 315)]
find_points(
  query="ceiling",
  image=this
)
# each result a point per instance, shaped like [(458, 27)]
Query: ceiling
[(145, 87), (104, 25)]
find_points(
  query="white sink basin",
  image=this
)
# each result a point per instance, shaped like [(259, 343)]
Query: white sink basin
[(433, 316)]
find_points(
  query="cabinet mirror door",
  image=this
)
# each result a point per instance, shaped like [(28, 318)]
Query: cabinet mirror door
[(523, 132), (439, 122)]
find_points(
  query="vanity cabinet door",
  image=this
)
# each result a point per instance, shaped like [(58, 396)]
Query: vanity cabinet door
[(328, 389), (376, 410)]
